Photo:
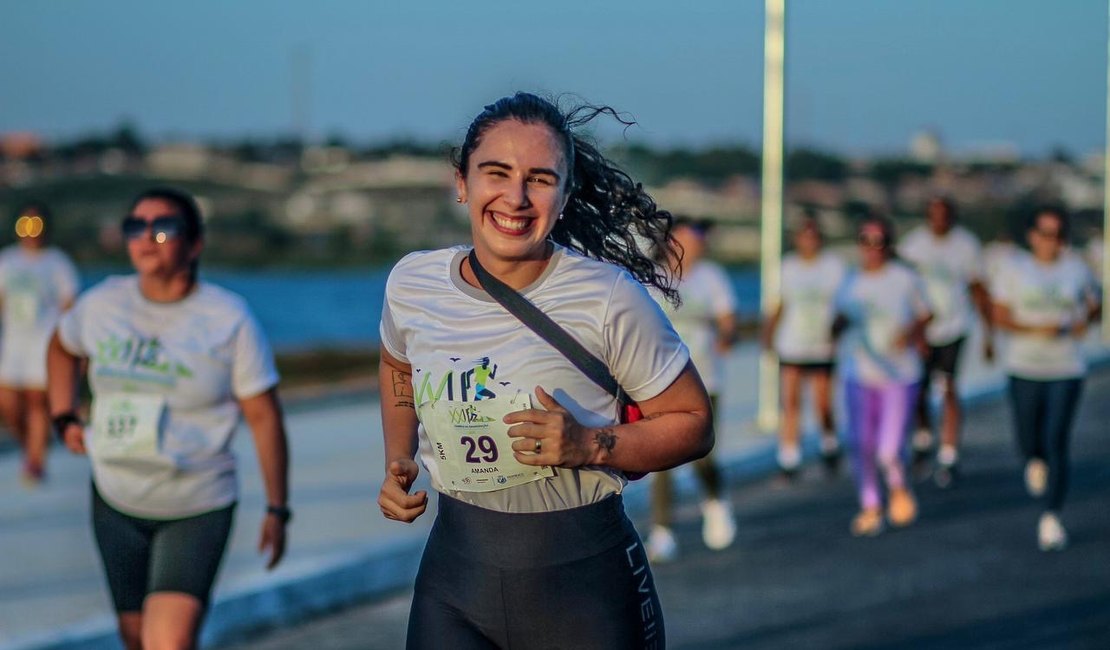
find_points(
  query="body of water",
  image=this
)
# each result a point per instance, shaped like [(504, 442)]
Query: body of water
[(310, 309)]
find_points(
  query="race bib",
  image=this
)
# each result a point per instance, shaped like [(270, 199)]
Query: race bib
[(471, 444), (942, 297), (23, 307), (813, 325), (126, 425), (882, 334)]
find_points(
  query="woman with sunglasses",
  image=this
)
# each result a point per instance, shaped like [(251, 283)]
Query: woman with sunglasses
[(1045, 299), (882, 311), (531, 547), (173, 364), (37, 283)]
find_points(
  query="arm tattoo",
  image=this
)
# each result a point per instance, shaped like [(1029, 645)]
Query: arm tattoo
[(605, 439), (402, 389)]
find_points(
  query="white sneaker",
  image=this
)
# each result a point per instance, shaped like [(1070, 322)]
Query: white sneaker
[(830, 444), (922, 440), (661, 545), (1051, 535), (789, 458), (1036, 477), (718, 527)]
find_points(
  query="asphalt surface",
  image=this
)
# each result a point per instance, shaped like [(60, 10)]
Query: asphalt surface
[(968, 574)]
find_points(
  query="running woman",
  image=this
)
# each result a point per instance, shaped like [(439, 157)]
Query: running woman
[(882, 309), (37, 283), (531, 547), (800, 332), (706, 321), (174, 363), (1045, 300), (950, 259)]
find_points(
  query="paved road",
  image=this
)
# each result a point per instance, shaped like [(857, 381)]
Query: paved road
[(967, 575)]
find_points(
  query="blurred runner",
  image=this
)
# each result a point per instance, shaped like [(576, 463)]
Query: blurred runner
[(174, 364), (882, 310), (950, 260), (1045, 299), (37, 283), (531, 546), (706, 321), (800, 331)]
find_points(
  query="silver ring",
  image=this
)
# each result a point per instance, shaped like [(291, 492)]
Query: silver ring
[(539, 445)]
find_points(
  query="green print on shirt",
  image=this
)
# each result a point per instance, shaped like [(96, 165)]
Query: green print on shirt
[(1050, 298), (138, 358), (939, 273), (466, 385)]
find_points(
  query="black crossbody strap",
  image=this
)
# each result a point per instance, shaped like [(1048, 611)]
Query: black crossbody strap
[(549, 330)]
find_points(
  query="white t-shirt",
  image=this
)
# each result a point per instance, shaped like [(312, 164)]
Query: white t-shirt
[(706, 295), (1044, 294), (445, 328), (33, 286), (880, 306), (948, 265), (200, 354), (804, 332)]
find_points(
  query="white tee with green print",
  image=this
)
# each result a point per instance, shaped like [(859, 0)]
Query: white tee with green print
[(170, 375), (464, 347)]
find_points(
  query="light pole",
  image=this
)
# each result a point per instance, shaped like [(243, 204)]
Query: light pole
[(774, 51)]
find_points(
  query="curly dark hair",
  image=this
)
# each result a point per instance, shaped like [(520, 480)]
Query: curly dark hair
[(608, 216)]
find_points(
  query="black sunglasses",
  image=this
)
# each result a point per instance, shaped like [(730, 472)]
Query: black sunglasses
[(163, 229)]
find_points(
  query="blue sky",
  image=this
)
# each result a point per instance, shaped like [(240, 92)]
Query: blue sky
[(863, 75)]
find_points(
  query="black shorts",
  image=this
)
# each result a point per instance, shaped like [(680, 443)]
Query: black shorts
[(575, 578), (810, 367), (944, 358), (144, 556)]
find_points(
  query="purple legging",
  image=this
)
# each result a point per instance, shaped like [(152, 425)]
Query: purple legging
[(877, 421)]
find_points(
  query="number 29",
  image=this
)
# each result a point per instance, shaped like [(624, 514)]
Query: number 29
[(481, 449)]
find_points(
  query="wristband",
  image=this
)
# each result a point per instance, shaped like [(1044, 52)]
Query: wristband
[(62, 421), (283, 513)]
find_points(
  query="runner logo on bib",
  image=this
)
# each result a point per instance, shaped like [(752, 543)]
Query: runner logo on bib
[(471, 445), (126, 425)]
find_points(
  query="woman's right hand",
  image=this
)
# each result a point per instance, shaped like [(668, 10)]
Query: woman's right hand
[(394, 499), (74, 438)]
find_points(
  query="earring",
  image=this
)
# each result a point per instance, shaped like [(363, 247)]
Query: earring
[(459, 199), (560, 216)]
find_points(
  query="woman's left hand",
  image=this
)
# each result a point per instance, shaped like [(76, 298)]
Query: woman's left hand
[(272, 538), (550, 436)]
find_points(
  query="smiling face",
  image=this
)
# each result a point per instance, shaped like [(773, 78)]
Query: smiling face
[(160, 258), (515, 188)]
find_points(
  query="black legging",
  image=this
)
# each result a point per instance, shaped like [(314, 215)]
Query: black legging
[(1043, 413), (144, 556), (575, 578)]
